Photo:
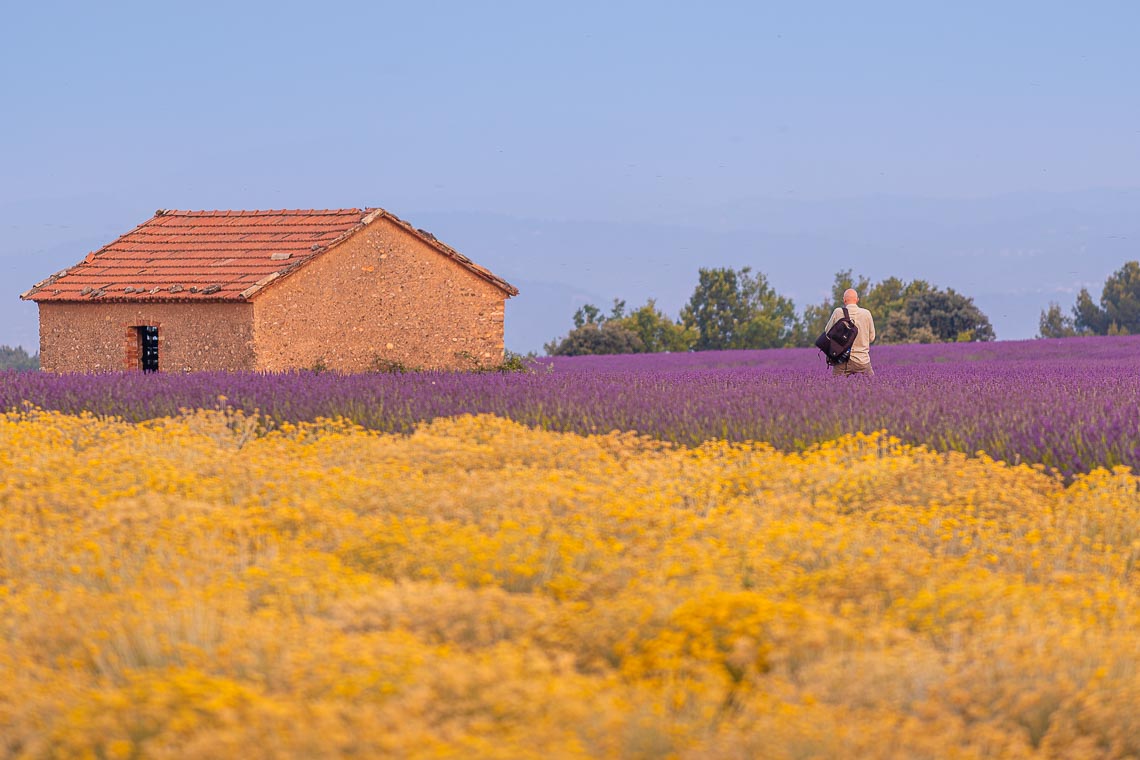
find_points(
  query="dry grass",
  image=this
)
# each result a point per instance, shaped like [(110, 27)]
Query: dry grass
[(187, 588)]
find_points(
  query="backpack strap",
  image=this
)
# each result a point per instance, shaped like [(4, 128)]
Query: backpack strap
[(845, 314)]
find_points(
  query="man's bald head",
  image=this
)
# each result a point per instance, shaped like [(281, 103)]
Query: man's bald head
[(850, 296)]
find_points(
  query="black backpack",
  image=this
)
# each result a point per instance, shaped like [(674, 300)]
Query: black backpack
[(836, 343)]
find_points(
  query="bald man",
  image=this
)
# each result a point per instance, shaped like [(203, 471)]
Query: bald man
[(859, 362)]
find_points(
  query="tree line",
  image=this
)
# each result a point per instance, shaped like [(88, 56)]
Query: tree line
[(733, 309), (18, 359), (1118, 312)]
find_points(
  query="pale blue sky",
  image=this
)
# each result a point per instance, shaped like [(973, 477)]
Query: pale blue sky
[(644, 113)]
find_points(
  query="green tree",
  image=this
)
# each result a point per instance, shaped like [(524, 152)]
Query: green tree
[(658, 332), (888, 301), (609, 337), (735, 309), (885, 300), (1118, 312), (1055, 324), (904, 312), (18, 359), (1088, 318), (949, 316), (1120, 299), (592, 315)]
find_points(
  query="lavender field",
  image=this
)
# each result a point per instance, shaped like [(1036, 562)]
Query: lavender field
[(1070, 404)]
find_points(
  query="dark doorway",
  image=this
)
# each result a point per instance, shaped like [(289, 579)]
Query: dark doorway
[(148, 348)]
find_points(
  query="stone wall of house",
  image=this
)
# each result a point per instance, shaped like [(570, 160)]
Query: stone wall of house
[(382, 299), (100, 336)]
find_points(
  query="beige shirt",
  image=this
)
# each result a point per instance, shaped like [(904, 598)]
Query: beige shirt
[(861, 350)]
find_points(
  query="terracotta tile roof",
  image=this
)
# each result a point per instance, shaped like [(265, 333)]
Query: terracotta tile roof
[(218, 255)]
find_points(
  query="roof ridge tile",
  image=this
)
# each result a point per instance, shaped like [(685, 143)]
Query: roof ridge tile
[(269, 212)]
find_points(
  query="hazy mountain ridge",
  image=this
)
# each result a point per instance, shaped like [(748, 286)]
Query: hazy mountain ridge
[(1013, 254)]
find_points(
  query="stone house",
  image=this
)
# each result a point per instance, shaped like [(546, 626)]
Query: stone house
[(350, 290)]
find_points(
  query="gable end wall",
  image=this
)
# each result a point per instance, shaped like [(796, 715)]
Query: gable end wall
[(383, 298)]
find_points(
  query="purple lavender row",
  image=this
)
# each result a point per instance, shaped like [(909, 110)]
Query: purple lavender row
[(1070, 404)]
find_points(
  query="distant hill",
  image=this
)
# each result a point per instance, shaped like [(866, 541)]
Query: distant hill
[(1012, 253)]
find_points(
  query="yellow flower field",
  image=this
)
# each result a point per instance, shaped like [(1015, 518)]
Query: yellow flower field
[(188, 588)]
